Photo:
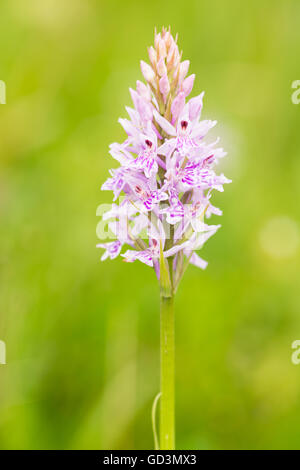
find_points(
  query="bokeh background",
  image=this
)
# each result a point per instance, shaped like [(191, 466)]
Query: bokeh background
[(82, 336)]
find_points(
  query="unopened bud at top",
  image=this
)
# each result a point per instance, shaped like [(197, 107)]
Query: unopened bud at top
[(173, 57), (157, 38), (168, 39), (166, 75)]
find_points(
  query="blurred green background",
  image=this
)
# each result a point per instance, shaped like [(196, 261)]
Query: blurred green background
[(82, 336)]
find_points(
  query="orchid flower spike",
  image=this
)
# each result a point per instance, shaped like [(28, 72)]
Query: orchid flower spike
[(167, 172)]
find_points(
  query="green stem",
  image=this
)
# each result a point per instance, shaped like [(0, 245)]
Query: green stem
[(167, 374)]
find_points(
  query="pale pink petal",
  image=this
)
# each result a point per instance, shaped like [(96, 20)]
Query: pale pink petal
[(128, 127), (197, 261), (144, 109), (167, 148), (177, 105), (152, 56), (164, 124), (134, 96), (134, 116), (201, 129), (147, 71), (176, 248), (164, 86), (195, 106), (188, 84)]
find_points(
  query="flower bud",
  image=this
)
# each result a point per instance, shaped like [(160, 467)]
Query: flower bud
[(171, 54), (188, 84), (164, 86), (161, 67), (177, 105), (147, 72), (143, 90), (173, 57), (183, 70), (152, 56), (157, 38)]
